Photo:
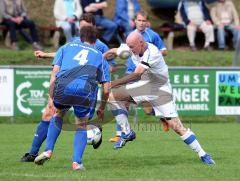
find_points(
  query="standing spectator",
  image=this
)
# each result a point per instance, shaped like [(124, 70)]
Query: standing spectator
[(67, 14), (96, 7), (195, 15), (225, 17), (15, 17), (125, 11)]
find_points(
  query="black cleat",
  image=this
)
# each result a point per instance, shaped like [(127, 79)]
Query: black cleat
[(28, 158)]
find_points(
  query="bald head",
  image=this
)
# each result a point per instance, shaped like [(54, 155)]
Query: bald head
[(134, 37), (136, 43)]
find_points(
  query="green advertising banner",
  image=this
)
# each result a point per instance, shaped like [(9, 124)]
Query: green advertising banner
[(198, 91), (31, 90), (194, 90)]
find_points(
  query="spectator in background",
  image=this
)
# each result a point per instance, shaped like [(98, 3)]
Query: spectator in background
[(195, 15), (225, 17), (15, 17), (96, 7), (67, 14), (125, 11)]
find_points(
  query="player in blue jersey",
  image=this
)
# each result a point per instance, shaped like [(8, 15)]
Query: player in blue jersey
[(150, 36), (77, 69), (40, 135)]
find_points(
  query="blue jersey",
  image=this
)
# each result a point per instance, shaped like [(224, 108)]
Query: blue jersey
[(102, 47), (81, 69), (76, 54), (151, 36)]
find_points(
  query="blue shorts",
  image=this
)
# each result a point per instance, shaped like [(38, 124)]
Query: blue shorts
[(79, 111)]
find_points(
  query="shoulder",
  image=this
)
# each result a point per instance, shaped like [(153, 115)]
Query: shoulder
[(100, 44), (152, 49)]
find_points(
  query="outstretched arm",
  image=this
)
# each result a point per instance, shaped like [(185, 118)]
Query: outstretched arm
[(41, 54), (136, 75)]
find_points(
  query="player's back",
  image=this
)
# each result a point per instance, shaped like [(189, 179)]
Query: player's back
[(80, 57)]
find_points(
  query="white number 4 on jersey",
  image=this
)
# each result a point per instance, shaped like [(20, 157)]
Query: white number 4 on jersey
[(82, 57)]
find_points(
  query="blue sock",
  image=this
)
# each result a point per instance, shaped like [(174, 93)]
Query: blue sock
[(39, 137), (80, 142), (53, 132)]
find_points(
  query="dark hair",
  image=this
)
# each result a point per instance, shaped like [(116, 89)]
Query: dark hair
[(142, 13), (88, 34), (88, 17)]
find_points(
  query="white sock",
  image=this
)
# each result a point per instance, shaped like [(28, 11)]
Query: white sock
[(122, 120), (190, 139)]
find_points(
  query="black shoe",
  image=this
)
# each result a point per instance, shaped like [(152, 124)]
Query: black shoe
[(97, 145), (28, 158)]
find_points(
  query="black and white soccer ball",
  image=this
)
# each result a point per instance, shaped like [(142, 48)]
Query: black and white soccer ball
[(124, 54), (94, 135), (123, 51)]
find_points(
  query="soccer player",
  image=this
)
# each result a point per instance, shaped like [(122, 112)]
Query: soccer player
[(141, 21), (40, 135), (150, 36), (78, 68), (151, 84)]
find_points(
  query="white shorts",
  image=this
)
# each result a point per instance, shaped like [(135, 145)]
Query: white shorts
[(161, 99)]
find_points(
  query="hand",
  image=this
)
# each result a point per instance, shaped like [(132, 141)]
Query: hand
[(208, 22), (39, 54), (71, 19), (237, 27), (221, 26), (191, 23), (110, 54), (18, 20), (100, 113)]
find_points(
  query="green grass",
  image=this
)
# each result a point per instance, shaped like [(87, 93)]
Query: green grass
[(174, 58), (154, 155)]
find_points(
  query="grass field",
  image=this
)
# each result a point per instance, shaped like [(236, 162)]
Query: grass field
[(154, 155)]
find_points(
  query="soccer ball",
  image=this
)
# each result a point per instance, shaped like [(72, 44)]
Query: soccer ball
[(123, 51), (125, 54), (94, 134)]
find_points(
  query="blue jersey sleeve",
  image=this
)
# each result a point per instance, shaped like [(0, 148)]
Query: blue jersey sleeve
[(130, 66), (102, 47), (158, 42), (58, 57), (105, 72)]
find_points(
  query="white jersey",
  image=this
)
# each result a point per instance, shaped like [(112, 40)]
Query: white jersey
[(154, 85), (152, 60)]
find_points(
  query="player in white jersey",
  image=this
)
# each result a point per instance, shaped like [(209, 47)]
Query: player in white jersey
[(152, 85)]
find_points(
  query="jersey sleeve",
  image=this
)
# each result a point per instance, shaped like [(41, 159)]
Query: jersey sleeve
[(130, 66), (104, 72), (58, 57), (159, 42), (102, 47)]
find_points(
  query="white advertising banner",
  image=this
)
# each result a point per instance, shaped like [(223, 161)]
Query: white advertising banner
[(6, 92)]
